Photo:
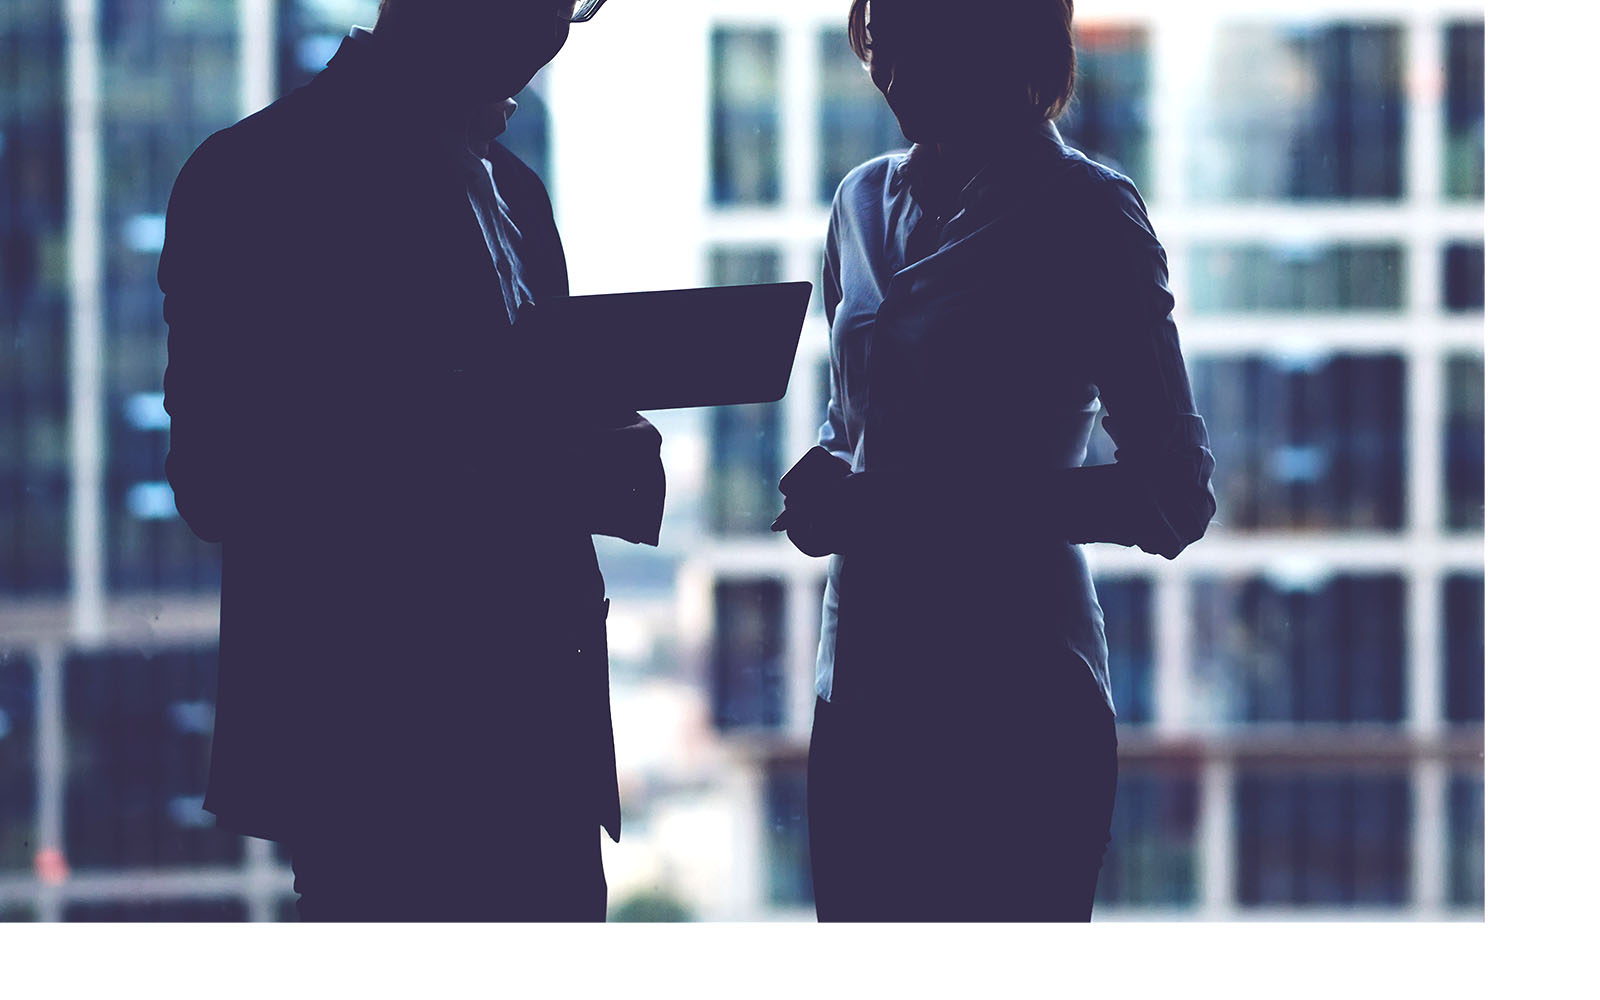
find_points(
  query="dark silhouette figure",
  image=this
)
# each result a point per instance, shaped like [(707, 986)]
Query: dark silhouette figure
[(987, 293), (413, 688)]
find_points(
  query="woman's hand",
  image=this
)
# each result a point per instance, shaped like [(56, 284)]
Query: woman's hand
[(820, 500)]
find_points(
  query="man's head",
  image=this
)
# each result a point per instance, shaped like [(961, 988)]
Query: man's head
[(479, 51)]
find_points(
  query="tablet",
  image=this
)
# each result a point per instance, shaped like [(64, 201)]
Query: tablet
[(671, 349)]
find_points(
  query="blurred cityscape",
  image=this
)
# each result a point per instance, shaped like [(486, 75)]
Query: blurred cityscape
[(1300, 694)]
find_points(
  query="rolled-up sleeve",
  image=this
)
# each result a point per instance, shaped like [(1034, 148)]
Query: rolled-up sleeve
[(1158, 493)]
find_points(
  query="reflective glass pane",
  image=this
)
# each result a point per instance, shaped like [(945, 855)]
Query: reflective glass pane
[(34, 459), (1464, 442), (855, 122), (1314, 443), (1466, 859), (139, 736), (748, 654), (1322, 839), (744, 116), (1109, 118), (1307, 649), (788, 860), (1463, 278), (170, 78), (1126, 604), (1315, 277), (1463, 122), (19, 821), (1463, 648), (1299, 112), (1151, 860)]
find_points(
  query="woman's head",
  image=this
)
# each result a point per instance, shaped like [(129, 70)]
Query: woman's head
[(961, 69)]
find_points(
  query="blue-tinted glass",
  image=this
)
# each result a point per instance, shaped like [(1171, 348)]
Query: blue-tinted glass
[(1464, 442), (1109, 118), (1315, 443), (1463, 277), (1329, 840), (1318, 277), (1129, 637), (1151, 859), (139, 732), (745, 440), (1301, 112), (855, 121), (1466, 839), (170, 78), (1329, 651), (788, 837), (1463, 122), (19, 829), (159, 911), (34, 455), (747, 658), (1463, 648), (744, 116)]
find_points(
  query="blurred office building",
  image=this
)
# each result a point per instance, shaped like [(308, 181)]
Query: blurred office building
[(1300, 693)]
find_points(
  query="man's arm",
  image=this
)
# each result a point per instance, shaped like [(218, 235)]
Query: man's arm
[(193, 274)]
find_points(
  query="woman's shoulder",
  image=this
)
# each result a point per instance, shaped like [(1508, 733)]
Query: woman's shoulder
[(868, 182), (1091, 193)]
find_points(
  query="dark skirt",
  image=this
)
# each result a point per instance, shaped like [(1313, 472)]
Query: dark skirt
[(983, 795)]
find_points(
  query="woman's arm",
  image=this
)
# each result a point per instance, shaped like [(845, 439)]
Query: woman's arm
[(1156, 495)]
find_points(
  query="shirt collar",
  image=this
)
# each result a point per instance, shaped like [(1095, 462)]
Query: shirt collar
[(1005, 154)]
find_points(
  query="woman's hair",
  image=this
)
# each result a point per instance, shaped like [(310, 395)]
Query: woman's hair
[(1037, 35)]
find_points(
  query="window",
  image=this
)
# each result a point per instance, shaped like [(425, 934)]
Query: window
[(18, 789), (1306, 442), (1126, 604), (139, 733), (1463, 648), (744, 116), (1109, 119), (1151, 858), (1463, 278), (34, 457), (163, 911), (855, 122), (1466, 839), (1303, 650), (1463, 121), (170, 79), (1318, 278), (1317, 839), (747, 674), (1300, 112), (1463, 442), (788, 837), (745, 440)]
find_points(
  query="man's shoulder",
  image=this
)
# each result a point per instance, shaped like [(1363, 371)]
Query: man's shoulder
[(515, 178)]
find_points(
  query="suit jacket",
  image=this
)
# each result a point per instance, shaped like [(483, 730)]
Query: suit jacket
[(413, 618)]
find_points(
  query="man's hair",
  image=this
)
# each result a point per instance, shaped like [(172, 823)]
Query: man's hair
[(1037, 35)]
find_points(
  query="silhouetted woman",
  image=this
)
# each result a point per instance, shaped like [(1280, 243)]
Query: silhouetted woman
[(987, 293)]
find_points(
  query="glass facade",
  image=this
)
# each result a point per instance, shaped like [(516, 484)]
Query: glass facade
[(1109, 119), (1301, 112), (748, 679), (34, 456), (1318, 839), (1299, 278), (1302, 650), (1311, 443), (19, 709), (1463, 154), (1152, 860), (853, 122), (744, 116)]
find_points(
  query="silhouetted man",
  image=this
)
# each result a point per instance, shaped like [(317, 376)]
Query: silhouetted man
[(413, 688)]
